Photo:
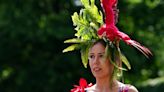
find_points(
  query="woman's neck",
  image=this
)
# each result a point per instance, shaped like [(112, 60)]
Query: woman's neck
[(105, 84)]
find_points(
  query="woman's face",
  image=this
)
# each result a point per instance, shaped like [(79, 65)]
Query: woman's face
[(99, 64)]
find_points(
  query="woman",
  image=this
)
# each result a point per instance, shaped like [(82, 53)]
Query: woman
[(99, 38), (103, 71)]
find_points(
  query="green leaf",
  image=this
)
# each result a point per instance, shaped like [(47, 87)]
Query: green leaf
[(74, 40), (116, 64), (92, 2), (84, 54), (85, 3), (84, 57), (71, 48), (109, 53), (87, 21), (75, 18), (92, 24), (125, 61)]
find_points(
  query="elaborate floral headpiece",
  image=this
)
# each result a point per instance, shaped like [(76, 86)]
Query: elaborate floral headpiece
[(90, 27)]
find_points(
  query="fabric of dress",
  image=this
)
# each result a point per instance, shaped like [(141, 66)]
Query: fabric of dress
[(121, 89)]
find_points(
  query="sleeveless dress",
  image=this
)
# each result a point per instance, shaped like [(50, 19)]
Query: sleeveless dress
[(121, 89)]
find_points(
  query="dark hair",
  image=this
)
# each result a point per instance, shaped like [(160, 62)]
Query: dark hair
[(100, 41)]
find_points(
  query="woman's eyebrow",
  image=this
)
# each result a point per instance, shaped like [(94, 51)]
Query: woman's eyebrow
[(98, 53), (101, 53), (91, 53)]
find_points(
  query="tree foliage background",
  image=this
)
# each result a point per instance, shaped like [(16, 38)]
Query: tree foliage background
[(31, 43)]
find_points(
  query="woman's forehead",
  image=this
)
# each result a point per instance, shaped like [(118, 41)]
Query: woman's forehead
[(98, 47)]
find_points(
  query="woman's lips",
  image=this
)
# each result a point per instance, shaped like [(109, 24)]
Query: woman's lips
[(96, 69)]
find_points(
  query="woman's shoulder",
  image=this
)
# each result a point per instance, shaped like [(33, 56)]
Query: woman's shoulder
[(132, 89), (128, 87), (122, 88)]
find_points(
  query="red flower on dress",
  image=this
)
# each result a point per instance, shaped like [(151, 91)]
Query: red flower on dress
[(82, 85), (110, 31)]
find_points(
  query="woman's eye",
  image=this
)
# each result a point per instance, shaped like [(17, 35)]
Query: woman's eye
[(91, 56), (101, 55)]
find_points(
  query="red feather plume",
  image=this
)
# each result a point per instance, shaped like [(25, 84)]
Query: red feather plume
[(110, 31)]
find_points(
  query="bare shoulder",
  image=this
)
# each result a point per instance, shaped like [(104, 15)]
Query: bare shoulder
[(132, 89)]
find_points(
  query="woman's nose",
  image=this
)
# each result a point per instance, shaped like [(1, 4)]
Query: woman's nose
[(96, 60)]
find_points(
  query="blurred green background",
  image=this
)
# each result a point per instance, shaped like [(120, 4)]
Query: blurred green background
[(31, 43)]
